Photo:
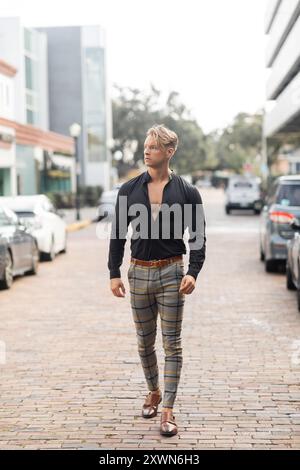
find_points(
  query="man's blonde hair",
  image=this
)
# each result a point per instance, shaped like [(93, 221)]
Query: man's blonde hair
[(164, 137)]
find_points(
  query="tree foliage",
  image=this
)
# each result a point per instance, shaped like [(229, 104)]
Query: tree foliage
[(134, 111)]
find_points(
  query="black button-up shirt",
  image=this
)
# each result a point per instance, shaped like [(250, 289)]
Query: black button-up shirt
[(176, 191)]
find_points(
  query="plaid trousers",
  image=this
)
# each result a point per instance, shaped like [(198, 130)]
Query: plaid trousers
[(153, 290)]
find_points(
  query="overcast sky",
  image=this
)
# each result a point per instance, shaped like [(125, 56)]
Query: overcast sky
[(210, 51)]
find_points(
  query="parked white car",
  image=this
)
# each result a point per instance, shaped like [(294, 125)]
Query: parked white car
[(243, 193), (42, 220), (107, 203)]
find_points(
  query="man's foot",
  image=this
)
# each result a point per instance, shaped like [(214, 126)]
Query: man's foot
[(151, 404), (168, 427)]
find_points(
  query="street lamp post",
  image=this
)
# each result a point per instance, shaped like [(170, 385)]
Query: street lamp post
[(75, 130)]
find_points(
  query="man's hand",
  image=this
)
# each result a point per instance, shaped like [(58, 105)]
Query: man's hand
[(187, 285), (117, 287)]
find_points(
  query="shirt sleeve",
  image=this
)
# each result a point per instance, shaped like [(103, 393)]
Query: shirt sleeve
[(197, 236), (118, 234)]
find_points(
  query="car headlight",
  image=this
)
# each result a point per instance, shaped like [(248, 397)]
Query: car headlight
[(32, 223)]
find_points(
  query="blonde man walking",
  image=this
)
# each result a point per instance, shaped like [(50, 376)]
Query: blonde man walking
[(156, 275)]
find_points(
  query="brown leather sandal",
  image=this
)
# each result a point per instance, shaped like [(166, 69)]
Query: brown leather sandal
[(168, 427), (151, 405)]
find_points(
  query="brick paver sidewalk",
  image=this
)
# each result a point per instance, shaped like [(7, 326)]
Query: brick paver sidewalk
[(72, 377)]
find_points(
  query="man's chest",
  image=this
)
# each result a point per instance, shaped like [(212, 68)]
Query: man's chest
[(149, 195), (155, 193)]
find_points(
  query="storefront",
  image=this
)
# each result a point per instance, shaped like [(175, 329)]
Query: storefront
[(7, 161), (33, 161)]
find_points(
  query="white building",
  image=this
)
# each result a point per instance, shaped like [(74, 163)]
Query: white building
[(282, 25), (26, 50), (7, 134), (32, 159), (78, 92)]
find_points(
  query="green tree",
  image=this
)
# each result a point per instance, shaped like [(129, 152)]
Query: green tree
[(134, 111), (239, 143)]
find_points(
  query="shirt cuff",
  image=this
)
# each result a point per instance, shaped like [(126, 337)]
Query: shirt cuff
[(114, 273), (192, 273)]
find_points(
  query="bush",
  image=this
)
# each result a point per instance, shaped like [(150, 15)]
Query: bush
[(89, 196), (62, 200)]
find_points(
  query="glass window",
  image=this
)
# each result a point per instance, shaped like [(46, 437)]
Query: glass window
[(28, 40), (30, 116), (95, 103), (11, 216), (3, 219), (289, 195), (29, 71), (7, 95)]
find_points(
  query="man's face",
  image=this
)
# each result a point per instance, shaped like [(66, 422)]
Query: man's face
[(155, 156)]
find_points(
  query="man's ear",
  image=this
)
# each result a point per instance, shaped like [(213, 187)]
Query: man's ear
[(171, 152)]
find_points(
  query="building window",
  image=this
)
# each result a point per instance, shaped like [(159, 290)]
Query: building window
[(30, 116), (7, 95), (29, 70), (1, 94), (29, 42), (19, 188), (95, 103)]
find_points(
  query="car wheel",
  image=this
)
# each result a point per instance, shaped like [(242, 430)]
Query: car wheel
[(227, 210), (7, 280), (51, 255), (35, 261), (262, 255), (298, 299), (270, 265), (64, 250), (257, 211), (289, 280)]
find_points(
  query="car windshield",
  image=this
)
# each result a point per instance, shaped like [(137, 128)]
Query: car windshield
[(25, 214), (3, 219), (289, 195)]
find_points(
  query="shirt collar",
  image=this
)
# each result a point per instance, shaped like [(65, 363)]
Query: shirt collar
[(147, 177)]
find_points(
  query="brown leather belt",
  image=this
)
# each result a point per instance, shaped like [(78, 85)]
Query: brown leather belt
[(158, 262)]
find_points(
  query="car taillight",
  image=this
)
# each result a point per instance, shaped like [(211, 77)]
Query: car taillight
[(281, 217)]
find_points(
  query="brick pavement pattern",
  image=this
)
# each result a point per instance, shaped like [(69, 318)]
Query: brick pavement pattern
[(73, 379)]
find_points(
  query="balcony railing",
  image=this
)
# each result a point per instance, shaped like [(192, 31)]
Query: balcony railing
[(270, 14), (284, 20), (286, 64), (287, 109)]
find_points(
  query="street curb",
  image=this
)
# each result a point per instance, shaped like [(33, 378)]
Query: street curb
[(78, 225)]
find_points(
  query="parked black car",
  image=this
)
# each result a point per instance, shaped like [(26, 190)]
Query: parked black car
[(3, 258), (18, 249), (293, 261), (282, 206)]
